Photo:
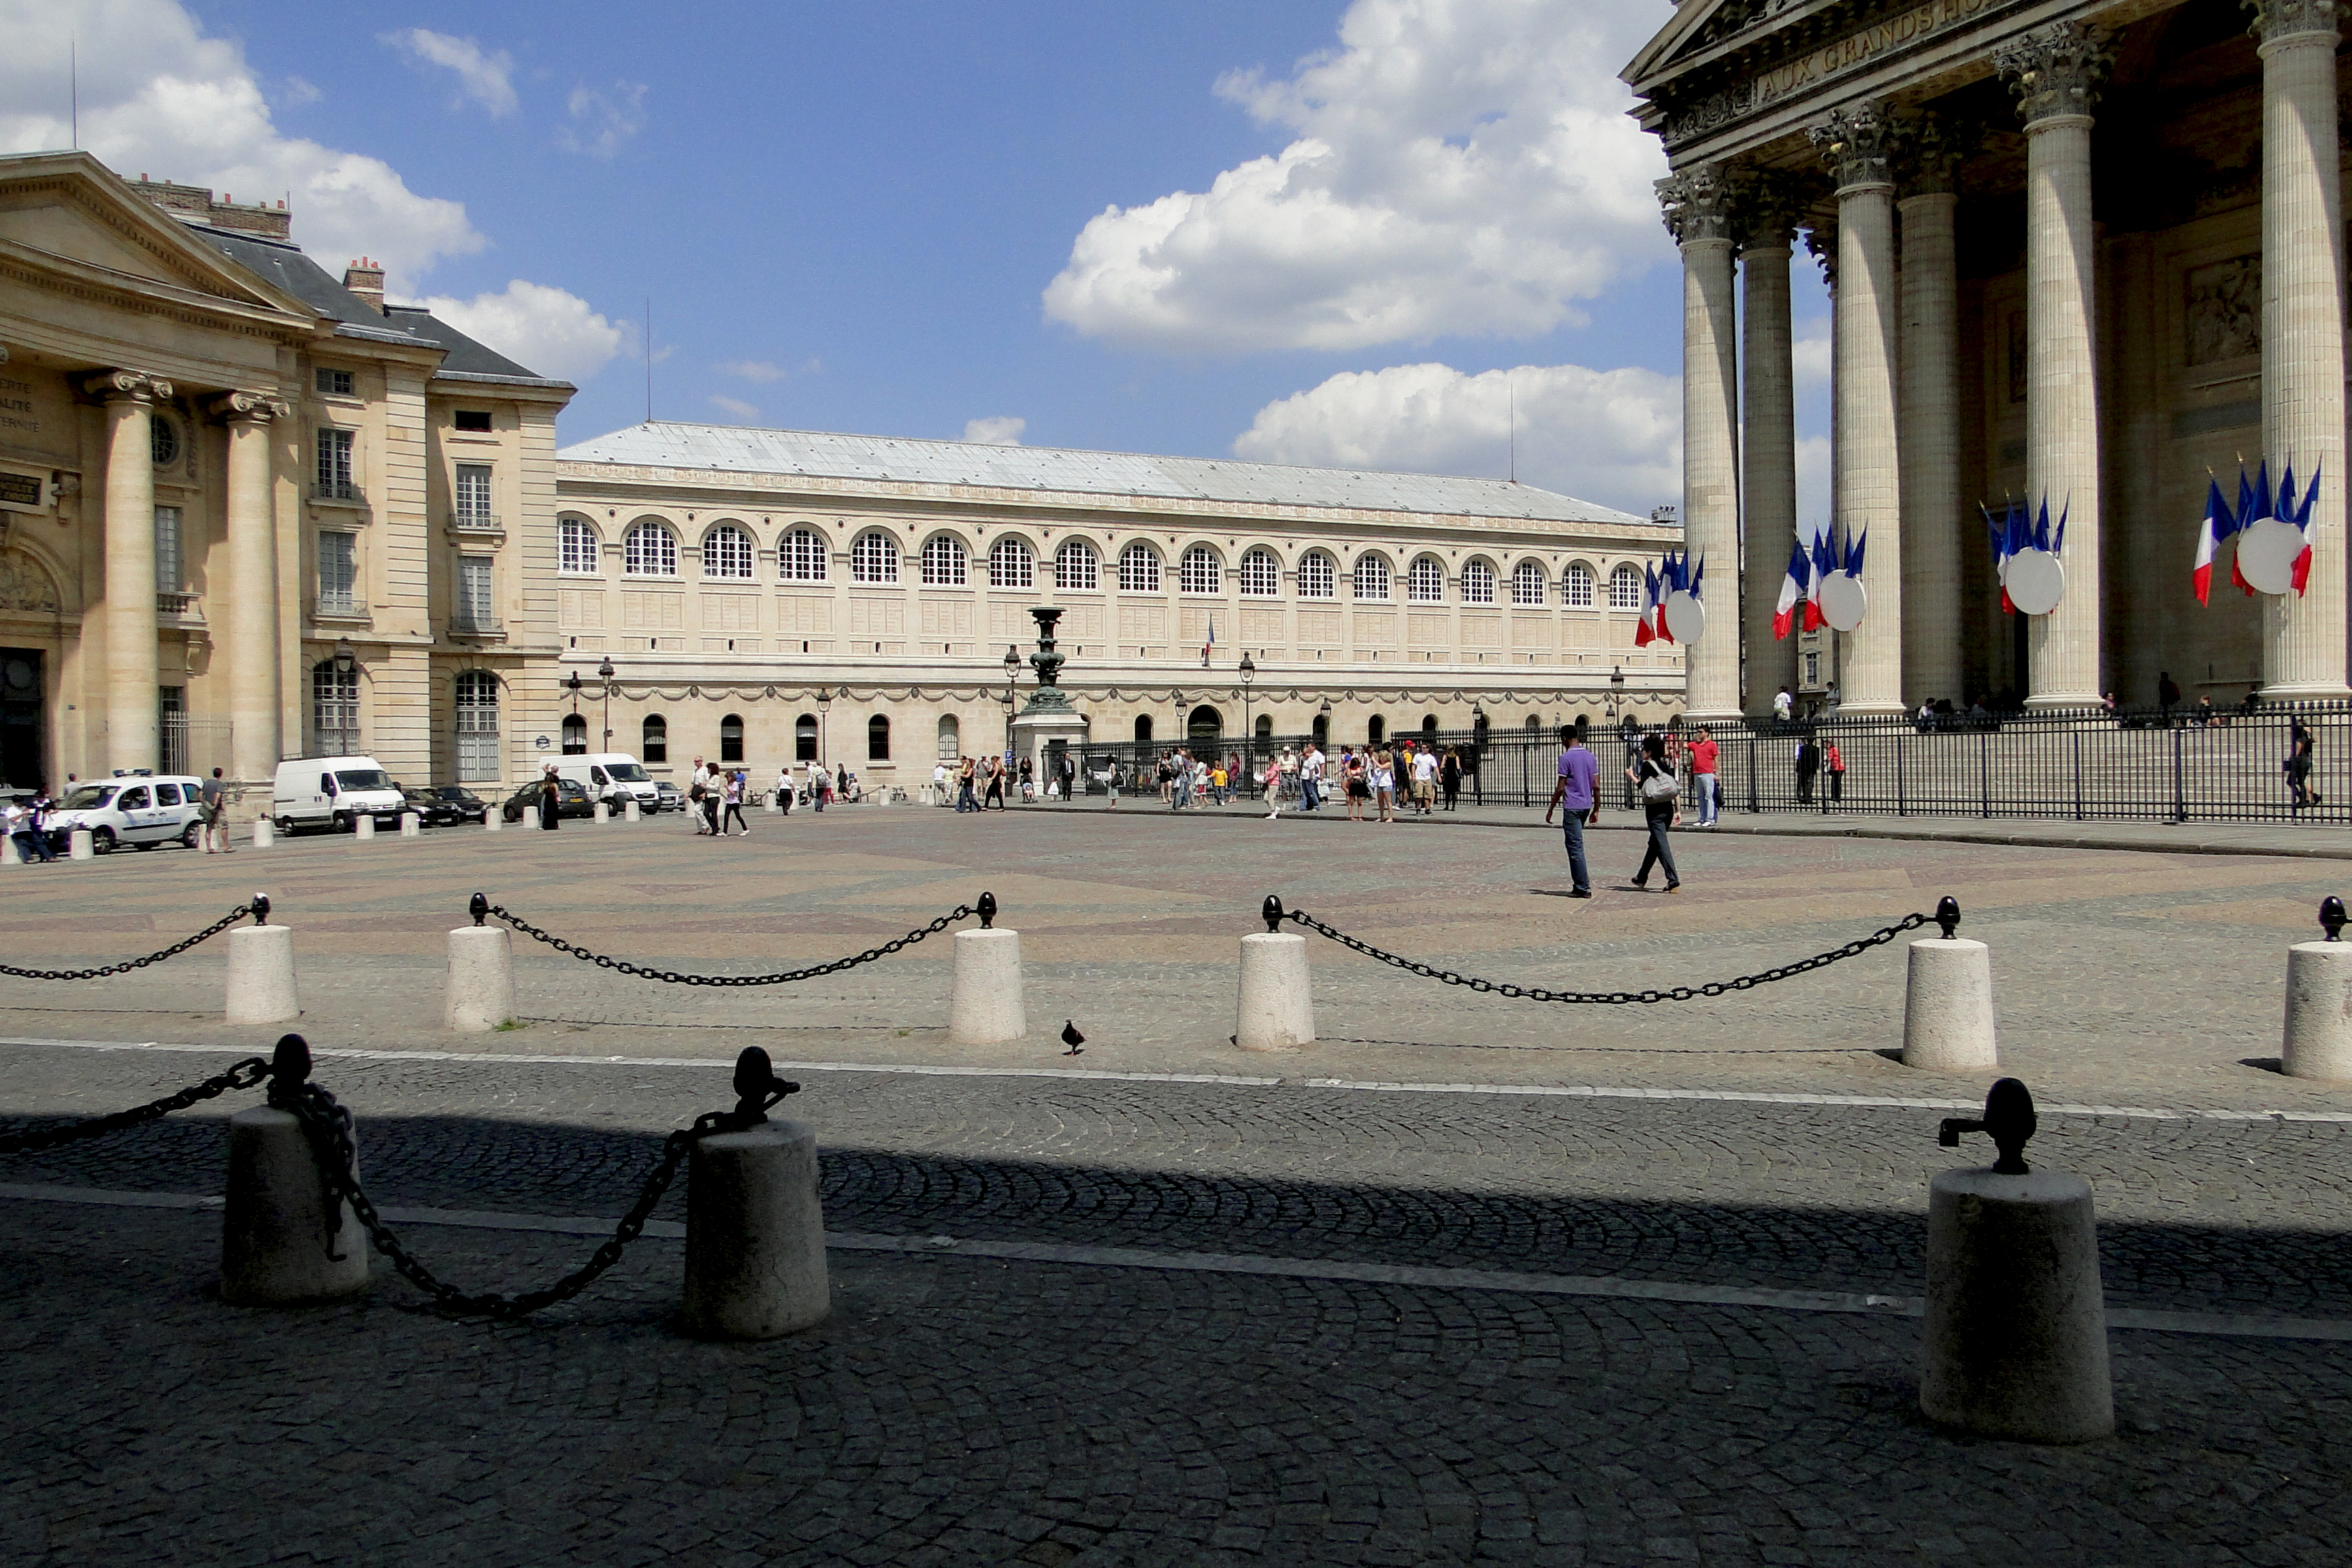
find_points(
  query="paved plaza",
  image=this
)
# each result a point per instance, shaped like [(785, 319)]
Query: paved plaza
[(1469, 1281)]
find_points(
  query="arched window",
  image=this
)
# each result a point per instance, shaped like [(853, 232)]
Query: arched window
[(1265, 726), (943, 562), (578, 542), (478, 727), (1323, 731), (1534, 725), (1316, 577), (1139, 569), (1576, 586), (1261, 575), (1371, 577), (575, 735), (334, 709), (950, 739), (873, 559), (1204, 724), (1429, 726), (731, 739), (1376, 729), (800, 556), (1199, 571), (877, 739), (1012, 565), (1424, 583), (1625, 587), (1477, 582), (804, 738), (1075, 565), (649, 549), (1143, 727), (726, 553), (653, 743), (1527, 584)]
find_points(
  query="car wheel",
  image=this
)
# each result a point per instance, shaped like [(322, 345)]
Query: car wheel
[(285, 828), (341, 824), (192, 836), (101, 840)]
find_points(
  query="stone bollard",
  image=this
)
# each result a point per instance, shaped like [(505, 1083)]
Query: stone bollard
[(264, 833), (411, 826), (9, 854), (776, 802), (604, 812), (480, 993), (1948, 1022), (2015, 1342), (493, 820), (755, 1265), (261, 971), (1276, 1011), (629, 811), (984, 1007), (2318, 1039), (363, 826), (80, 844), (276, 1244)]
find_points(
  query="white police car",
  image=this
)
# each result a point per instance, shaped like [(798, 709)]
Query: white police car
[(138, 809)]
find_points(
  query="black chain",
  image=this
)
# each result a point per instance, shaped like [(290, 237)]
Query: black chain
[(247, 1074), (674, 978), (1678, 993), (127, 965)]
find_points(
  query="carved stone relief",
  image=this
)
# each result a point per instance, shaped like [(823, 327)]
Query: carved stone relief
[(25, 585), (2224, 314)]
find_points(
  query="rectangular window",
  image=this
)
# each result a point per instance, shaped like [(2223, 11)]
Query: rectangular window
[(474, 420), (334, 463), (338, 574), (473, 590), (170, 574), (474, 494), (334, 383)]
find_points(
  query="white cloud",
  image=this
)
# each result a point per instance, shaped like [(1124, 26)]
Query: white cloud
[(1607, 435), (1813, 483), (602, 120), (1459, 167), (735, 406), (753, 369), (1810, 352), (999, 430), (294, 93), (487, 79), (548, 330), (158, 97)]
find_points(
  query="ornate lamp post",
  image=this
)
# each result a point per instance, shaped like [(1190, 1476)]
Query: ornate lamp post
[(1182, 708), (1616, 691), (1012, 680), (1249, 731), (347, 658), (824, 707), (605, 672)]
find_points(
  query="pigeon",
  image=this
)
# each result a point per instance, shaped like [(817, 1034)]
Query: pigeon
[(1071, 1038)]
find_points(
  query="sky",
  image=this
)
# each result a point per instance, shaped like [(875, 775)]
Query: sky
[(1390, 233)]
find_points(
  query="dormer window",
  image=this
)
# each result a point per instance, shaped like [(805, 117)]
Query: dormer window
[(334, 383), (474, 421)]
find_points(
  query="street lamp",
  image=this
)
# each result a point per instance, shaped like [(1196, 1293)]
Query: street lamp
[(1249, 731), (605, 672), (347, 660), (1616, 691), (1012, 680), (824, 706), (1182, 708)]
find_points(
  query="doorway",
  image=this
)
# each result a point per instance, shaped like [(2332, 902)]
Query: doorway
[(22, 731)]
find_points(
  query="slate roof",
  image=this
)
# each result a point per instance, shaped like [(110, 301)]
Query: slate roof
[(728, 448)]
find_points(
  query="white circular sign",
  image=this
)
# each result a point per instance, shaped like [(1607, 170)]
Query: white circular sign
[(1686, 616), (2266, 554), (1844, 601), (2036, 581)]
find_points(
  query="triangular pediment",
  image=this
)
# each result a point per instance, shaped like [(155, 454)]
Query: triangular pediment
[(1701, 28)]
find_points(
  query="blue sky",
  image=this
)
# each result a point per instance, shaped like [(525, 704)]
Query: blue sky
[(1335, 221)]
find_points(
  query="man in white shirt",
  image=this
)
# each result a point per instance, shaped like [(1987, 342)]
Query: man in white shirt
[(1311, 778), (1424, 781), (1783, 705)]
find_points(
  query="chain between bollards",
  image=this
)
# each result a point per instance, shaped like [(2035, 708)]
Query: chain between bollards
[(258, 908), (985, 909)]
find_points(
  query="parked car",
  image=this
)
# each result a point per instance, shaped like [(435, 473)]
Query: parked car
[(138, 810), (471, 807), (669, 796), (572, 799), (431, 810)]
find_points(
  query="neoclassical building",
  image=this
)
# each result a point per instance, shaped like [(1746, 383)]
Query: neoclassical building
[(248, 510), (765, 595), (2085, 251)]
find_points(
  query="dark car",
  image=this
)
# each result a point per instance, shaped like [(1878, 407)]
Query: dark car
[(572, 799), (471, 807), (670, 798), (431, 810)]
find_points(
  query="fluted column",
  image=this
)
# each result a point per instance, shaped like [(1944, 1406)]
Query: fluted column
[(1768, 439), (2056, 71), (253, 697), (1697, 202), (1931, 419), (1868, 493), (2303, 330), (133, 701)]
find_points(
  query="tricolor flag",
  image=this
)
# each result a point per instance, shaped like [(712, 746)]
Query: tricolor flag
[(1793, 588), (1210, 643), (2310, 530), (1646, 631), (2216, 526), (1822, 565), (2253, 505)]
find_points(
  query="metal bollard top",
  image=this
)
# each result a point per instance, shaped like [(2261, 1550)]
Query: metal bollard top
[(2331, 917), (987, 910), (477, 907), (757, 1088), (261, 909), (2008, 1117), (1271, 912), (1947, 915), (290, 1067)]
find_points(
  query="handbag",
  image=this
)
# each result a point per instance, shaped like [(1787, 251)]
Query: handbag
[(1660, 789)]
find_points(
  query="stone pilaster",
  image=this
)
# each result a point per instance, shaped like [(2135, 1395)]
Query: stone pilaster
[(1768, 436), (2056, 71), (2303, 330), (1932, 505), (1855, 143), (133, 701), (253, 657), (1697, 210)]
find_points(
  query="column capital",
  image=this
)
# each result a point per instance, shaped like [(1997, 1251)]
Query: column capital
[(136, 385), (2056, 70), (1822, 242), (1697, 202), (2278, 19), (253, 407), (1767, 206), (1856, 142), (1928, 151)]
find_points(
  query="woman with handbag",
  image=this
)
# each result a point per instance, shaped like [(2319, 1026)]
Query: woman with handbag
[(1657, 785)]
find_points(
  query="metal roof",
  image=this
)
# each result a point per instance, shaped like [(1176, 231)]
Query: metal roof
[(728, 448)]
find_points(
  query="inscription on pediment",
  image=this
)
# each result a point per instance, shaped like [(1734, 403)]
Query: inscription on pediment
[(1816, 60)]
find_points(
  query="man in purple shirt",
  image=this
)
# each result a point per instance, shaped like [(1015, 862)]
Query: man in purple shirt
[(1578, 771)]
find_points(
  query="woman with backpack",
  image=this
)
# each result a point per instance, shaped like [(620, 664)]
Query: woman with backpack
[(1654, 783)]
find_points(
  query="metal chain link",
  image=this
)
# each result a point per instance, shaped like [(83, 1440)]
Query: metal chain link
[(247, 1074), (675, 977), (1677, 994), (126, 966)]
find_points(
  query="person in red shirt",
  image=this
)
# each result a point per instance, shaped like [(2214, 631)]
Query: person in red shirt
[(1835, 762), (1702, 780)]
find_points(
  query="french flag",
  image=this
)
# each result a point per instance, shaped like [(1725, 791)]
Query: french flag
[(1645, 630), (2253, 504), (1793, 588), (2219, 525), (1822, 565), (2309, 529)]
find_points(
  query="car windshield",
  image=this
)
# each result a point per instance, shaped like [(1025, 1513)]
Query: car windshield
[(362, 778), (451, 792), (626, 772), (89, 798)]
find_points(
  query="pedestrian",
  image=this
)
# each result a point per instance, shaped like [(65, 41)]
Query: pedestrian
[(1783, 705), (1112, 777), (993, 783), (551, 798), (820, 785), (215, 808), (1424, 781), (784, 789), (734, 788), (1449, 775), (1028, 780), (1383, 769), (939, 781), (2202, 714), (714, 796), (1704, 783), (1069, 776), (1353, 783), (1809, 762), (1834, 760), (1217, 781), (1311, 778), (1654, 781), (1166, 779), (2302, 748), (1271, 780), (1578, 796), (967, 775), (28, 824)]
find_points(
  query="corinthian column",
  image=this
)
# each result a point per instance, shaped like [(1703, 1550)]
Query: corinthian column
[(1931, 419), (2055, 72), (2303, 330), (133, 701), (1868, 486), (1696, 204), (253, 582), (1768, 436)]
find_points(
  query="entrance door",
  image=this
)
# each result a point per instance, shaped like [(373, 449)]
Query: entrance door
[(21, 727)]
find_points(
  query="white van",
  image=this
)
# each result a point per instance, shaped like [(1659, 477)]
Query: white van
[(333, 793), (137, 809), (612, 777)]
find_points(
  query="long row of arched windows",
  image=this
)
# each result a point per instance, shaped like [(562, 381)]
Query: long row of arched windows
[(653, 739), (650, 549)]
